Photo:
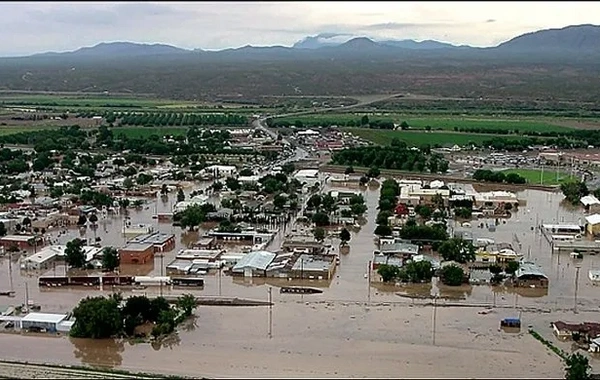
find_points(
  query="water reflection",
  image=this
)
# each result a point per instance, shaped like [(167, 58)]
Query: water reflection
[(169, 341), (101, 353)]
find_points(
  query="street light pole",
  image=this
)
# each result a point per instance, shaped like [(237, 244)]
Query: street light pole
[(576, 288)]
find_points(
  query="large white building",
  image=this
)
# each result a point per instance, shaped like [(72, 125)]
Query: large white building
[(44, 258)]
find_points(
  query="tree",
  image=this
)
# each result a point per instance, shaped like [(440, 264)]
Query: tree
[(2, 229), (574, 191), (232, 184), (194, 215), (363, 180), (577, 367), (128, 183), (417, 271), (314, 201), (349, 170), (180, 195), (26, 222), (320, 219), (187, 304), (124, 203), (82, 220), (495, 269), (97, 318), (279, 201), (345, 236), (423, 211), (110, 259), (74, 255), (319, 234), (328, 202), (458, 250), (288, 168), (404, 125), (364, 120), (452, 275), (373, 172), (383, 230), (93, 219), (512, 267), (388, 272), (164, 190)]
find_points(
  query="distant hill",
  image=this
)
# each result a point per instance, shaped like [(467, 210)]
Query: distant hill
[(420, 45), (567, 40), (120, 49), (331, 39)]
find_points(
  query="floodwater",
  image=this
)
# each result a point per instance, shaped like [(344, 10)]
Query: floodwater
[(350, 330)]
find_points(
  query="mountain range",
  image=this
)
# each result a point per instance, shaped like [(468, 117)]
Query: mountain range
[(576, 39)]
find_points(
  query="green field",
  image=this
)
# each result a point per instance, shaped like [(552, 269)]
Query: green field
[(446, 123), (384, 137), (135, 132), (12, 130), (534, 176), (85, 101)]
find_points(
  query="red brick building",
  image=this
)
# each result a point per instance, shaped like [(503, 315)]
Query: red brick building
[(137, 253)]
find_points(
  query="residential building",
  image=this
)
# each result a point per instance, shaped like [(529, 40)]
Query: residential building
[(530, 275), (592, 225)]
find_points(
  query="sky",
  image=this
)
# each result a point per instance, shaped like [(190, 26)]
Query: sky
[(34, 27)]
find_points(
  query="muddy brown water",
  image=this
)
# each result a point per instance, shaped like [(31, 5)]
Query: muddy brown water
[(336, 333)]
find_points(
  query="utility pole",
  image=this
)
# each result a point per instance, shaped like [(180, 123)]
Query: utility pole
[(576, 288), (220, 270), (369, 282), (161, 274), (270, 290), (434, 316)]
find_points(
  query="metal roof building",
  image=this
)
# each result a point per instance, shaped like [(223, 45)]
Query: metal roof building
[(527, 269), (257, 261)]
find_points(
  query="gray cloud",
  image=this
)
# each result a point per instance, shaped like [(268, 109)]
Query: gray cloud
[(30, 27)]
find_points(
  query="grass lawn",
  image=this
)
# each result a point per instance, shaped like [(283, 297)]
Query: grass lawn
[(445, 123), (534, 176), (418, 138), (134, 132)]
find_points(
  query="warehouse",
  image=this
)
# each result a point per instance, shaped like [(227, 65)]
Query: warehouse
[(45, 322)]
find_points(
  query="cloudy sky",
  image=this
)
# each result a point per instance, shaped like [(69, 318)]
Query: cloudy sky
[(27, 28)]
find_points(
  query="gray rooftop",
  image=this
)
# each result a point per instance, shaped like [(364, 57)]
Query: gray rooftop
[(153, 238), (315, 263), (529, 269), (257, 260), (399, 248)]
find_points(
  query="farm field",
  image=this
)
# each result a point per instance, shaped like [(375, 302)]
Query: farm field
[(12, 130), (535, 176), (86, 101), (135, 132), (445, 123), (417, 138)]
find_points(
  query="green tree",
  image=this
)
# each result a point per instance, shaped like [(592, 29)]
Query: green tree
[(404, 125), (381, 230), (364, 120), (345, 236), (97, 318), (495, 269), (452, 275), (328, 202), (577, 367), (373, 172), (418, 271), (128, 183), (319, 233), (512, 267), (93, 219), (194, 215), (349, 170), (187, 304), (320, 219), (458, 250), (279, 201), (574, 191), (180, 195), (74, 255), (388, 272), (110, 258), (423, 211), (164, 190), (2, 229), (314, 201)]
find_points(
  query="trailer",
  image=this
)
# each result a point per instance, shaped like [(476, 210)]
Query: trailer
[(188, 281)]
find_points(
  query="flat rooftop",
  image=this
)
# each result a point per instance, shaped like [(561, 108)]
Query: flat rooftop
[(140, 247), (313, 263), (44, 317), (153, 238)]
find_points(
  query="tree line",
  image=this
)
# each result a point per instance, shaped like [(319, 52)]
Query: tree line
[(163, 119), (498, 177), (397, 157)]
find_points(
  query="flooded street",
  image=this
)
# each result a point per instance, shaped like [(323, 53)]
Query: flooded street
[(337, 333)]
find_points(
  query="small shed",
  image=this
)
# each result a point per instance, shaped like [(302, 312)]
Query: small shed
[(510, 322), (593, 224)]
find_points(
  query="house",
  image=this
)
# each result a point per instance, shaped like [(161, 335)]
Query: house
[(205, 243), (22, 242), (321, 267), (381, 259), (591, 204), (161, 242), (136, 253), (587, 330), (592, 225), (404, 250), (307, 175), (253, 264), (220, 171), (530, 275)]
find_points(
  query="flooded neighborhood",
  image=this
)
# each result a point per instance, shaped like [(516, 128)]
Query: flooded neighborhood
[(255, 264)]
